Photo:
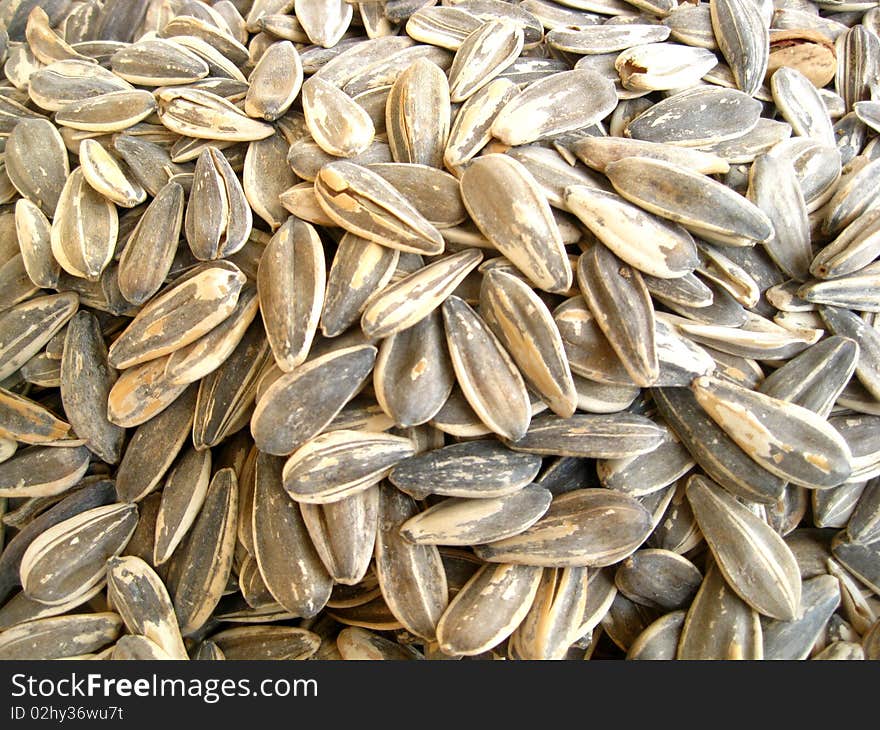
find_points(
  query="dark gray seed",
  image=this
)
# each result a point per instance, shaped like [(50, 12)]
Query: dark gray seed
[(586, 527)]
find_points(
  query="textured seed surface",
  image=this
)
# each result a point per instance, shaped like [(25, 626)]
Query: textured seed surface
[(399, 330)]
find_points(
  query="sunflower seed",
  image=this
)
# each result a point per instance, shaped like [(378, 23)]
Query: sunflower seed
[(496, 188), (141, 599), (266, 642), (580, 98), (417, 114), (142, 468), (555, 615), (501, 402), (409, 300), (474, 622), (60, 636), (86, 380), (182, 497), (27, 421), (719, 625), (344, 534), (672, 192), (468, 521), (411, 577), (794, 639), (292, 262), (763, 429), (69, 558), (300, 404), (361, 202), (620, 302), (340, 463), (302, 586), (206, 558), (477, 469), (755, 561), (586, 527), (526, 329)]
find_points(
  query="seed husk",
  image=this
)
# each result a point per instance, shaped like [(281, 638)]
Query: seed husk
[(185, 312), (474, 622), (86, 380), (673, 192), (465, 522), (141, 468), (344, 535), (413, 376), (417, 114), (362, 202), (591, 95), (300, 404), (206, 558), (527, 331), (302, 586), (411, 577), (69, 558), (141, 599), (26, 421), (755, 561), (619, 300), (764, 429), (719, 625), (585, 527), (36, 162), (291, 283), (494, 189), (794, 639), (340, 463), (275, 82), (59, 637), (472, 469), (406, 302), (555, 615)]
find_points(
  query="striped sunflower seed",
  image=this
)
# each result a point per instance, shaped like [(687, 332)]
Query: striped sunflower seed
[(495, 188), (483, 469), (528, 332), (362, 202), (186, 311), (409, 300), (465, 522), (417, 114), (719, 624), (679, 195), (84, 229), (754, 560), (41, 471), (182, 497), (580, 98), (141, 599), (302, 586), (344, 535), (501, 402), (69, 558), (340, 463), (609, 527), (622, 307), (763, 429), (206, 559), (555, 615), (488, 609), (300, 404), (411, 577), (291, 282)]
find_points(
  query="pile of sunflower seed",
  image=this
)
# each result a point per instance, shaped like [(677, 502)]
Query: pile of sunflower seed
[(402, 330)]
